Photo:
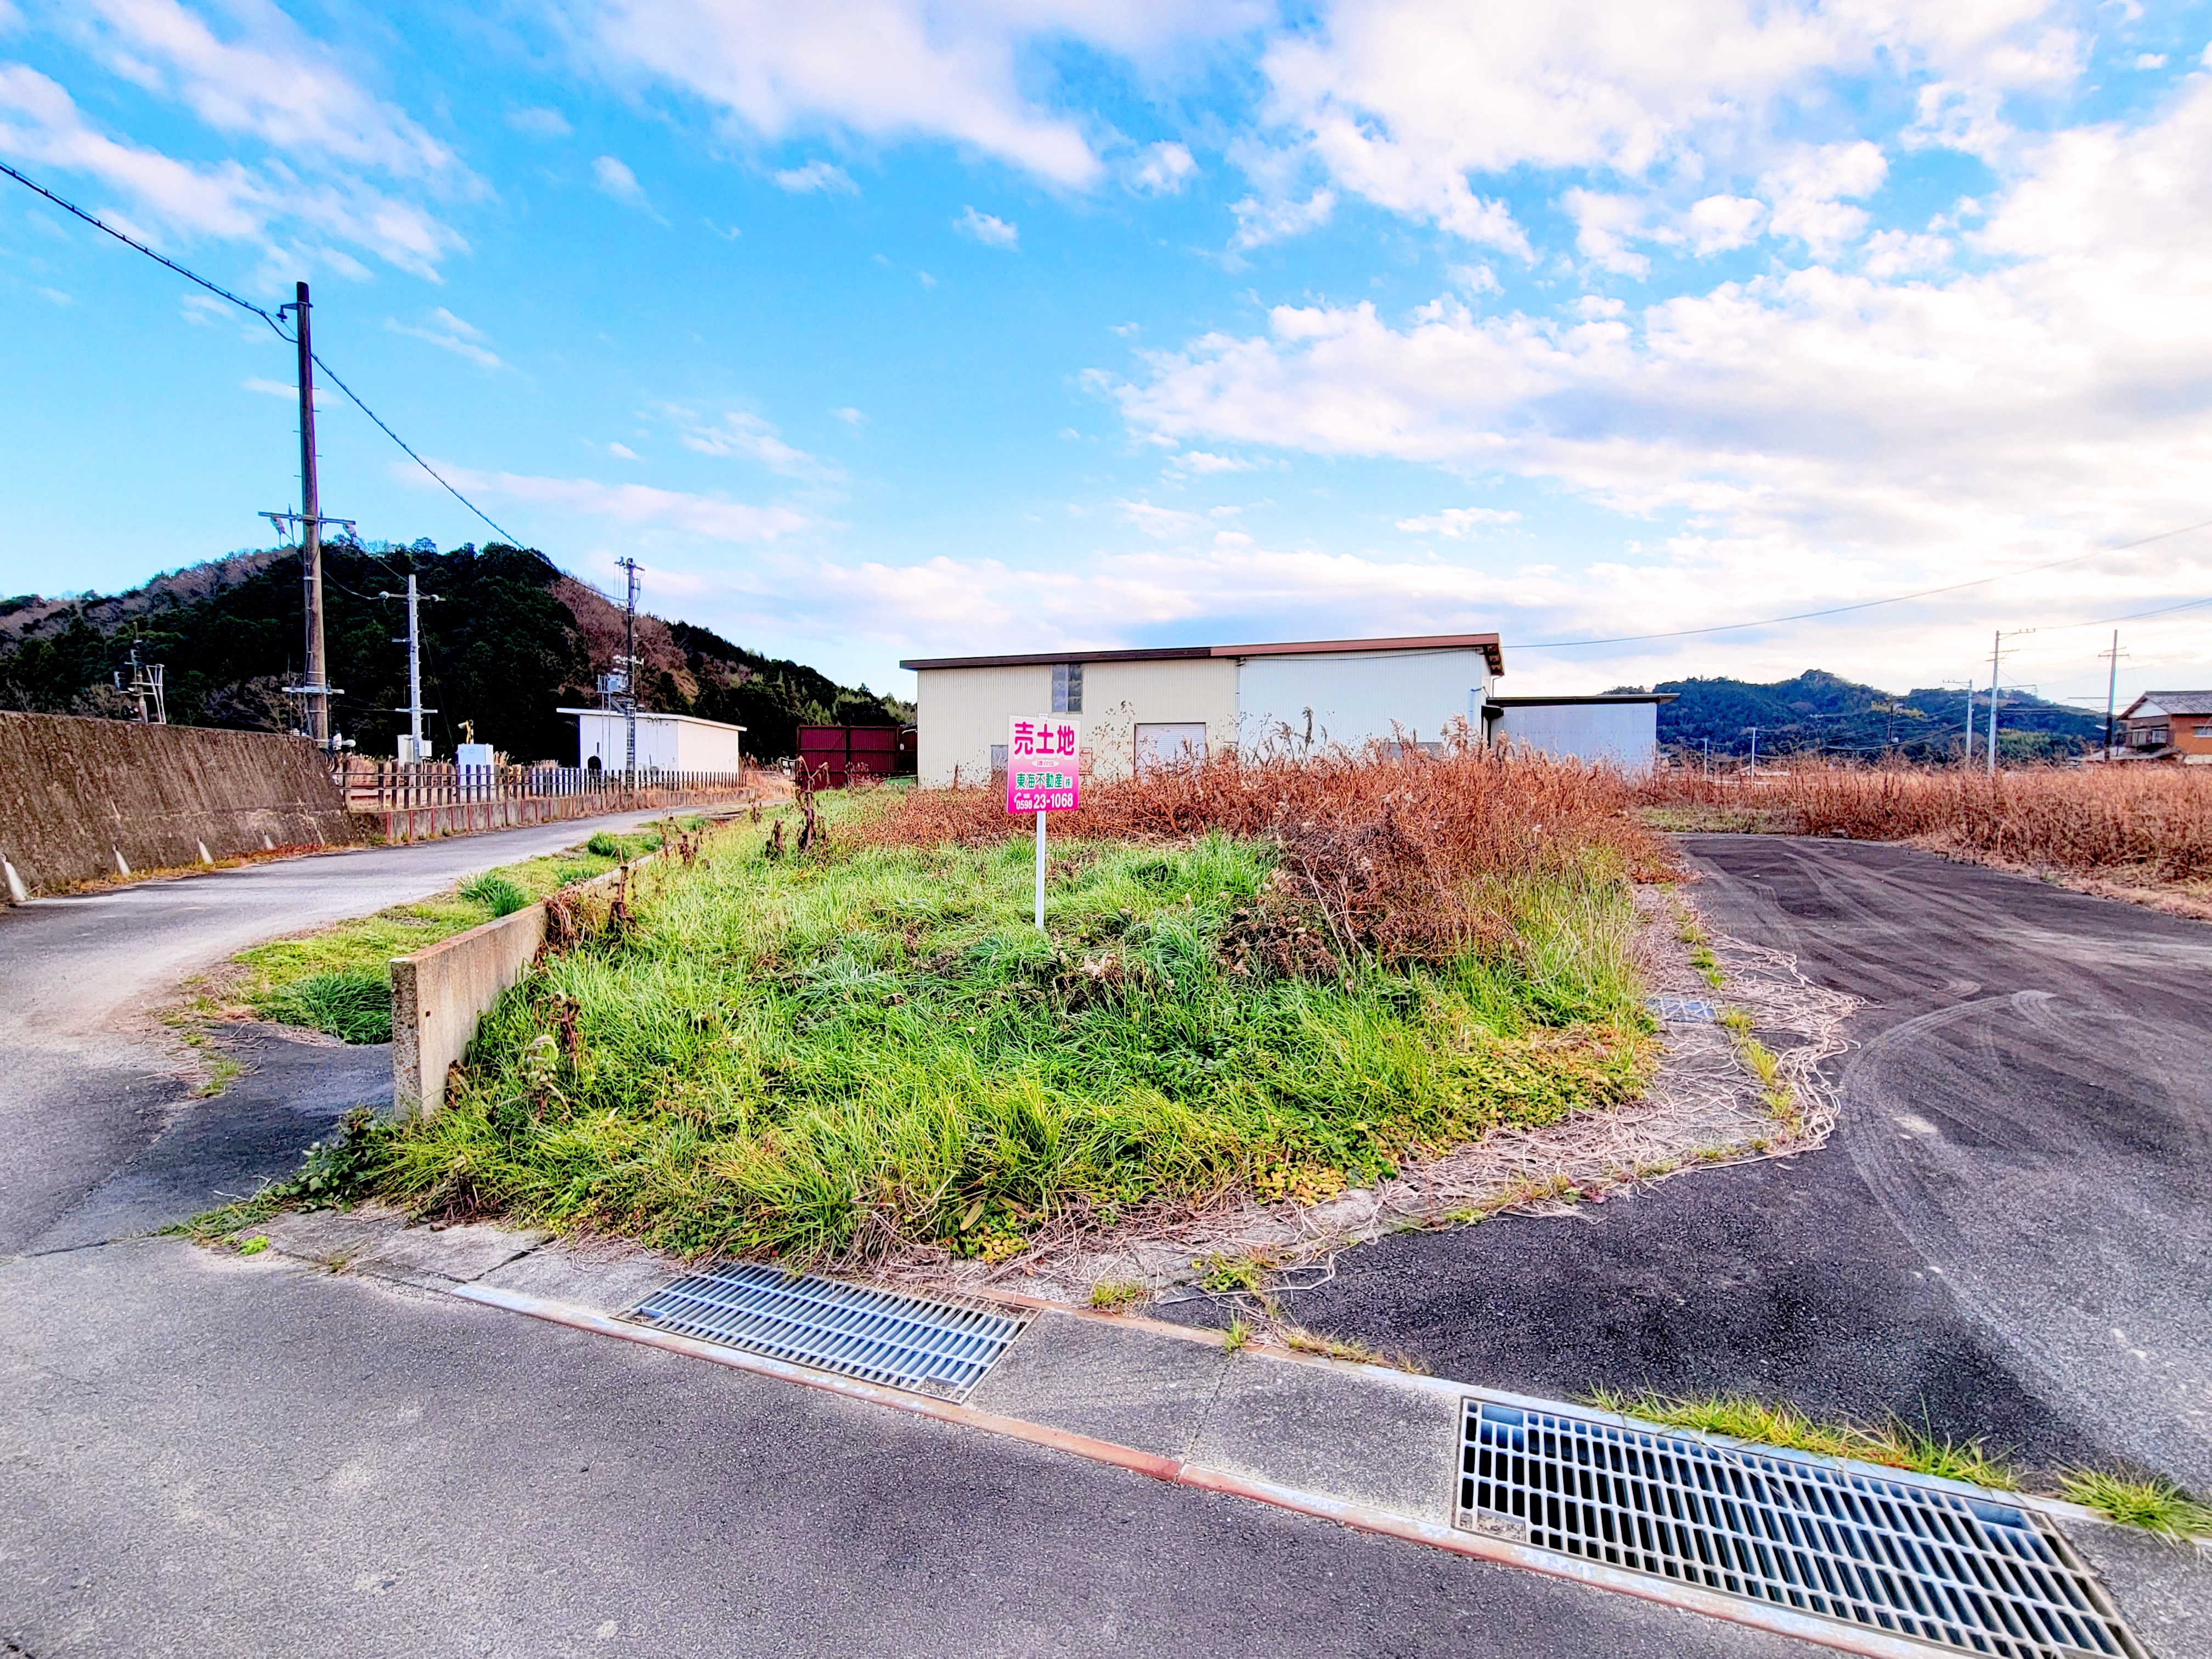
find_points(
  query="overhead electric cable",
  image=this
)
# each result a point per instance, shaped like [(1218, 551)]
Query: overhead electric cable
[(1866, 604), (247, 305)]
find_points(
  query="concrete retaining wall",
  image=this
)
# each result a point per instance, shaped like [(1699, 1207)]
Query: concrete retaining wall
[(439, 994), (81, 799)]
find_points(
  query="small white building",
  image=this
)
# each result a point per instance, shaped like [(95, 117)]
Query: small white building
[(1142, 707), (665, 743), (1613, 728)]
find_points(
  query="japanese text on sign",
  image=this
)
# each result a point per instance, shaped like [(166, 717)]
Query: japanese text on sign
[(1043, 773)]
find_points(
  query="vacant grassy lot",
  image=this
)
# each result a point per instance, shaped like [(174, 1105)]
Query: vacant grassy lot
[(870, 1046), (339, 980)]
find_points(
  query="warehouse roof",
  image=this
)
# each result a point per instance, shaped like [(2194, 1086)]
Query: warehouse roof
[(1534, 701), (1486, 643)]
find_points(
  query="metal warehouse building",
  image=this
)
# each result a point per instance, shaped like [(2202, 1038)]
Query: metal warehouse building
[(1140, 708)]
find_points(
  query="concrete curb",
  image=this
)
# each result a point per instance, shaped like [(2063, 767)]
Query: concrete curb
[(1362, 1445), (1176, 1472)]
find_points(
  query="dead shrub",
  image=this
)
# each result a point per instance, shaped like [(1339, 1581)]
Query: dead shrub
[(2124, 819), (1394, 854)]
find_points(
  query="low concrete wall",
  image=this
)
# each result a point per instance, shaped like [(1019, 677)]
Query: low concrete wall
[(439, 994), (81, 799)]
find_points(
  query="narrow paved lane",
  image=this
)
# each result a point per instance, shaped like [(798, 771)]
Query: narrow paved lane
[(88, 1082), (2010, 1234)]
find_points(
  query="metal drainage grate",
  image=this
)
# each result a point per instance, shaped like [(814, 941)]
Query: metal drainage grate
[(1684, 1011), (933, 1347), (1915, 1558)]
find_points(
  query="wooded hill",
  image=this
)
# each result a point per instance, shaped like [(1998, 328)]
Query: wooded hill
[(509, 639), (1822, 712)]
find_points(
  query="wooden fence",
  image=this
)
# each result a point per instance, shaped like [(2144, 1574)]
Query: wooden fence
[(414, 802)]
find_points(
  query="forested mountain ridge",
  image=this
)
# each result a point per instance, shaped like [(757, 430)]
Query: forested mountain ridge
[(508, 639), (1818, 712)]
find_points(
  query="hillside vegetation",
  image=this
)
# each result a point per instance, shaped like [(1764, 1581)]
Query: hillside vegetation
[(509, 639), (1820, 713)]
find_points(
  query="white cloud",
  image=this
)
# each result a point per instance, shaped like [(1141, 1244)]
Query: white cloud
[(1459, 522), (615, 179), (1604, 225), (539, 123), (1199, 462), (268, 79), (449, 333), (1403, 101), (1815, 433), (634, 504), (622, 452), (283, 389), (40, 122), (2150, 60), (1806, 193), (988, 228), (1899, 252), (1271, 221), (738, 433), (893, 71), (825, 177), (1163, 169), (1717, 223), (1161, 521), (849, 416)]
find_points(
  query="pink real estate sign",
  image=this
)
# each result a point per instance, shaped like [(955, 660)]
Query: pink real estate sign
[(1042, 774)]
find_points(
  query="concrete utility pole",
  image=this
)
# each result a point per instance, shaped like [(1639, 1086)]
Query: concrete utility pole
[(2112, 690), (311, 532), (630, 675), (413, 710), (1997, 648), (1754, 751)]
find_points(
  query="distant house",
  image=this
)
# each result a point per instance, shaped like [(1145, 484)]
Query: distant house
[(2168, 725)]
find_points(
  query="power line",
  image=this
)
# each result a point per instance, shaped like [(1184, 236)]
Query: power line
[(247, 305), (1868, 604)]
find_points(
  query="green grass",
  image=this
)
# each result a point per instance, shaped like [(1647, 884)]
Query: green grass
[(495, 893), (831, 1056), (2155, 1504), (1774, 1423), (2150, 1502), (339, 980)]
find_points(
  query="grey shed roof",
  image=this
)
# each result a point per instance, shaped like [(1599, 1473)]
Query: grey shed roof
[(2173, 702)]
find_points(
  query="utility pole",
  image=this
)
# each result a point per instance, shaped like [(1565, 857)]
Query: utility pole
[(311, 529), (1997, 648), (629, 674), (2112, 690), (413, 710), (1754, 751)]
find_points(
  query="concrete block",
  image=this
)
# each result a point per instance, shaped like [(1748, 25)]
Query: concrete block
[(1115, 1382), (438, 994), (1357, 1432)]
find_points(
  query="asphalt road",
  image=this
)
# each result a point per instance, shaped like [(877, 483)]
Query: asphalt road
[(217, 1456), (2009, 1233), (90, 1083)]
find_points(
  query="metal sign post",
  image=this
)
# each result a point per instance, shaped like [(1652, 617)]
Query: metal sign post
[(1044, 773)]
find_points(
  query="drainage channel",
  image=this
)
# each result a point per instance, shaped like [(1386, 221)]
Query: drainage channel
[(1946, 1565), (923, 1344)]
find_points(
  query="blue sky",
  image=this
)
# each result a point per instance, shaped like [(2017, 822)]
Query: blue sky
[(875, 328)]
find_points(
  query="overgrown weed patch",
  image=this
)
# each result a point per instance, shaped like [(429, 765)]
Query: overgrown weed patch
[(834, 1056)]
